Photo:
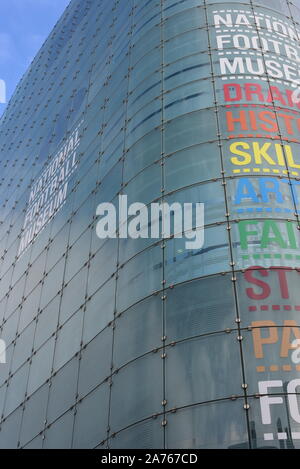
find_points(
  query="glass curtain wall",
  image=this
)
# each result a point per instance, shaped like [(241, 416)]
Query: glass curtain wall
[(124, 343)]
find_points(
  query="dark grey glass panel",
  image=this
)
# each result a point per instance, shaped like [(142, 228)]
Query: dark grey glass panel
[(2, 398), (78, 255), (144, 435), (144, 396), (197, 370), (62, 390), (142, 81), (142, 154), (99, 310), (16, 390), (68, 340), (192, 165), (189, 130), (102, 265), (34, 415), (30, 308), (5, 367), (141, 276), (183, 264), (91, 419), (23, 347), (143, 323), (41, 365), (9, 432), (200, 307), (47, 323), (218, 425), (36, 443), (59, 434), (52, 283), (73, 295), (95, 362)]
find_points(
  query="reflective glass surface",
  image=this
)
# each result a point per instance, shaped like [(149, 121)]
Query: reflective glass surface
[(123, 343)]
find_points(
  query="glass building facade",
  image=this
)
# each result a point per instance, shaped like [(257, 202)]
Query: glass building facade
[(123, 343)]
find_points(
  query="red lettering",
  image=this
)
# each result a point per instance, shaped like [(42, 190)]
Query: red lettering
[(228, 91), (253, 89), (275, 95), (231, 121), (250, 278), (283, 284), (264, 117)]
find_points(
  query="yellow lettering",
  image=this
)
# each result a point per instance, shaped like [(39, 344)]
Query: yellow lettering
[(261, 152), (246, 156), (290, 158)]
